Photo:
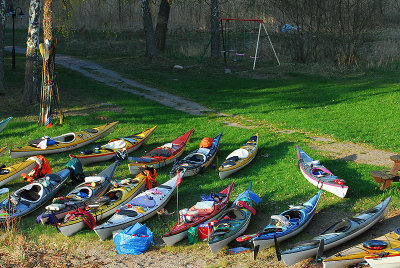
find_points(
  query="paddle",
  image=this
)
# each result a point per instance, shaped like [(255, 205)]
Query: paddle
[(320, 250), (277, 251), (256, 249)]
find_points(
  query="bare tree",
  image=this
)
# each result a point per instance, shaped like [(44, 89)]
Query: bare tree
[(162, 23), (307, 19), (2, 26), (32, 68), (151, 49), (215, 31), (333, 29), (348, 21)]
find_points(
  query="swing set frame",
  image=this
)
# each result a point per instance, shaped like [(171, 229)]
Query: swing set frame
[(224, 37)]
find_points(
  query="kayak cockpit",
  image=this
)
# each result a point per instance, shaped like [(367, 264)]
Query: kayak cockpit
[(339, 227), (160, 152), (32, 192), (65, 138)]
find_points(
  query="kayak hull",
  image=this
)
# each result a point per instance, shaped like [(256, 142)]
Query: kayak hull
[(119, 221), (4, 123), (16, 170), (332, 238), (306, 212), (75, 225), (251, 147), (81, 139), (170, 152), (106, 155), (326, 180), (180, 230)]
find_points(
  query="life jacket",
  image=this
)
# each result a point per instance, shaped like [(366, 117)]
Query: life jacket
[(150, 174), (206, 142), (41, 169)]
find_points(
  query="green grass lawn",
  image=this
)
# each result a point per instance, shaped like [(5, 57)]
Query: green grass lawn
[(353, 105), (85, 102), (360, 108)]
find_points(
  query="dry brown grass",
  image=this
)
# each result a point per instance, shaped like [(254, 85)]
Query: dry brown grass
[(18, 250), (12, 243)]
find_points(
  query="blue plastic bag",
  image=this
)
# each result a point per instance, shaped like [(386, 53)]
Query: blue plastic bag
[(134, 240)]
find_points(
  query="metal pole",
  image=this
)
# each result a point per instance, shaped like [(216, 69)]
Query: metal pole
[(276, 56), (258, 41), (13, 49)]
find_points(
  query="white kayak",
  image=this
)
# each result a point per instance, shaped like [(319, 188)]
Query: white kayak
[(139, 209), (337, 234), (319, 175)]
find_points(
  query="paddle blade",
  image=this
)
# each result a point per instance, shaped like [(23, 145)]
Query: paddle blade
[(41, 49), (256, 249), (320, 250), (277, 250)]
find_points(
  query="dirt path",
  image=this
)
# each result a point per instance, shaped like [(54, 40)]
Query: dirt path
[(115, 80)]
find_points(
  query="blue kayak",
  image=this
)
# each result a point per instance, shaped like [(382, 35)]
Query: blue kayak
[(287, 224), (195, 162)]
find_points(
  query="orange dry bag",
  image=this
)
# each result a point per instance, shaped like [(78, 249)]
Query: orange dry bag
[(206, 142)]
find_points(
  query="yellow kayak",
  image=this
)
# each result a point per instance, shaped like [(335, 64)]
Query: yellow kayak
[(239, 158), (13, 172), (101, 208), (108, 151), (388, 244), (65, 142)]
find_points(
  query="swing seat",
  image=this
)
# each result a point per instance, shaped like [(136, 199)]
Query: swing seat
[(240, 54)]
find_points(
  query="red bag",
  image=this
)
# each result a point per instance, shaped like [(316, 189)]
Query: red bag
[(204, 230)]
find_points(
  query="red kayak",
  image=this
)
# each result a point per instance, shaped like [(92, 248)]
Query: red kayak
[(162, 155), (199, 213)]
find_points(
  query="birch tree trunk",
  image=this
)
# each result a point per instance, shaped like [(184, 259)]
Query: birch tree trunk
[(215, 31), (151, 50), (162, 24), (2, 25), (32, 70)]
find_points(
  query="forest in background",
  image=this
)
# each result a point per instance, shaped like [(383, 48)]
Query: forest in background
[(342, 32)]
